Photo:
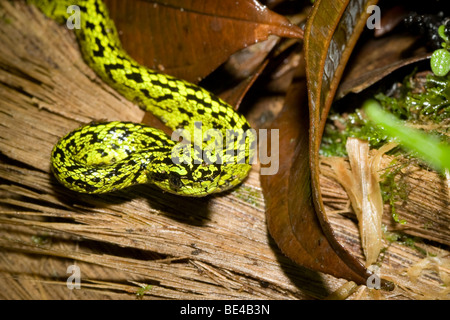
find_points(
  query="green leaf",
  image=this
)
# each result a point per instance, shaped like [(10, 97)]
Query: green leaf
[(441, 32), (440, 62)]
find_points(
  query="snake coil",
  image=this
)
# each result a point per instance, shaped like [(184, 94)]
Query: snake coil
[(103, 157)]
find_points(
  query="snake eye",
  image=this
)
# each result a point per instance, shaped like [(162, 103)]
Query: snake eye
[(175, 181)]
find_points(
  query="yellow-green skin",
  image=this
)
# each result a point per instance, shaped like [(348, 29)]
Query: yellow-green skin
[(103, 157)]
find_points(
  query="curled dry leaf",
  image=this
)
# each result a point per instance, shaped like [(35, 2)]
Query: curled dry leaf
[(363, 188), (295, 212), (200, 35), (330, 36), (290, 213)]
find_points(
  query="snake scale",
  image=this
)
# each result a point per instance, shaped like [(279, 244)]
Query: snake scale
[(102, 157)]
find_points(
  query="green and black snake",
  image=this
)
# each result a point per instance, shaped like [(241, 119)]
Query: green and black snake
[(107, 156)]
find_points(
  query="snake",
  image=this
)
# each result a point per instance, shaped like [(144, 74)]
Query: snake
[(215, 151)]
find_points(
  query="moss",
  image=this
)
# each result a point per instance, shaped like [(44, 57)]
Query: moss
[(404, 239), (394, 188), (418, 100), (356, 126), (429, 104)]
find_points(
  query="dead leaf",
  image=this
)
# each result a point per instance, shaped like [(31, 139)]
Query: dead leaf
[(331, 33), (290, 212), (189, 39), (362, 186), (376, 59)]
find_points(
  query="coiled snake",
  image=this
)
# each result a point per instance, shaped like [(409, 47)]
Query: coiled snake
[(103, 157)]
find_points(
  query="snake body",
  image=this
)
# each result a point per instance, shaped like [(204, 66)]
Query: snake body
[(103, 157)]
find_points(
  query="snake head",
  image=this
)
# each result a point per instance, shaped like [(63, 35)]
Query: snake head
[(198, 180)]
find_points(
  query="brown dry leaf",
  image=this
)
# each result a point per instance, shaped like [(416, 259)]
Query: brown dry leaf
[(331, 33), (290, 212), (363, 188), (292, 204), (382, 51), (201, 35), (376, 59)]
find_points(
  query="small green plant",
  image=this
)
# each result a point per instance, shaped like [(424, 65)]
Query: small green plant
[(440, 59), (404, 239), (141, 292)]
